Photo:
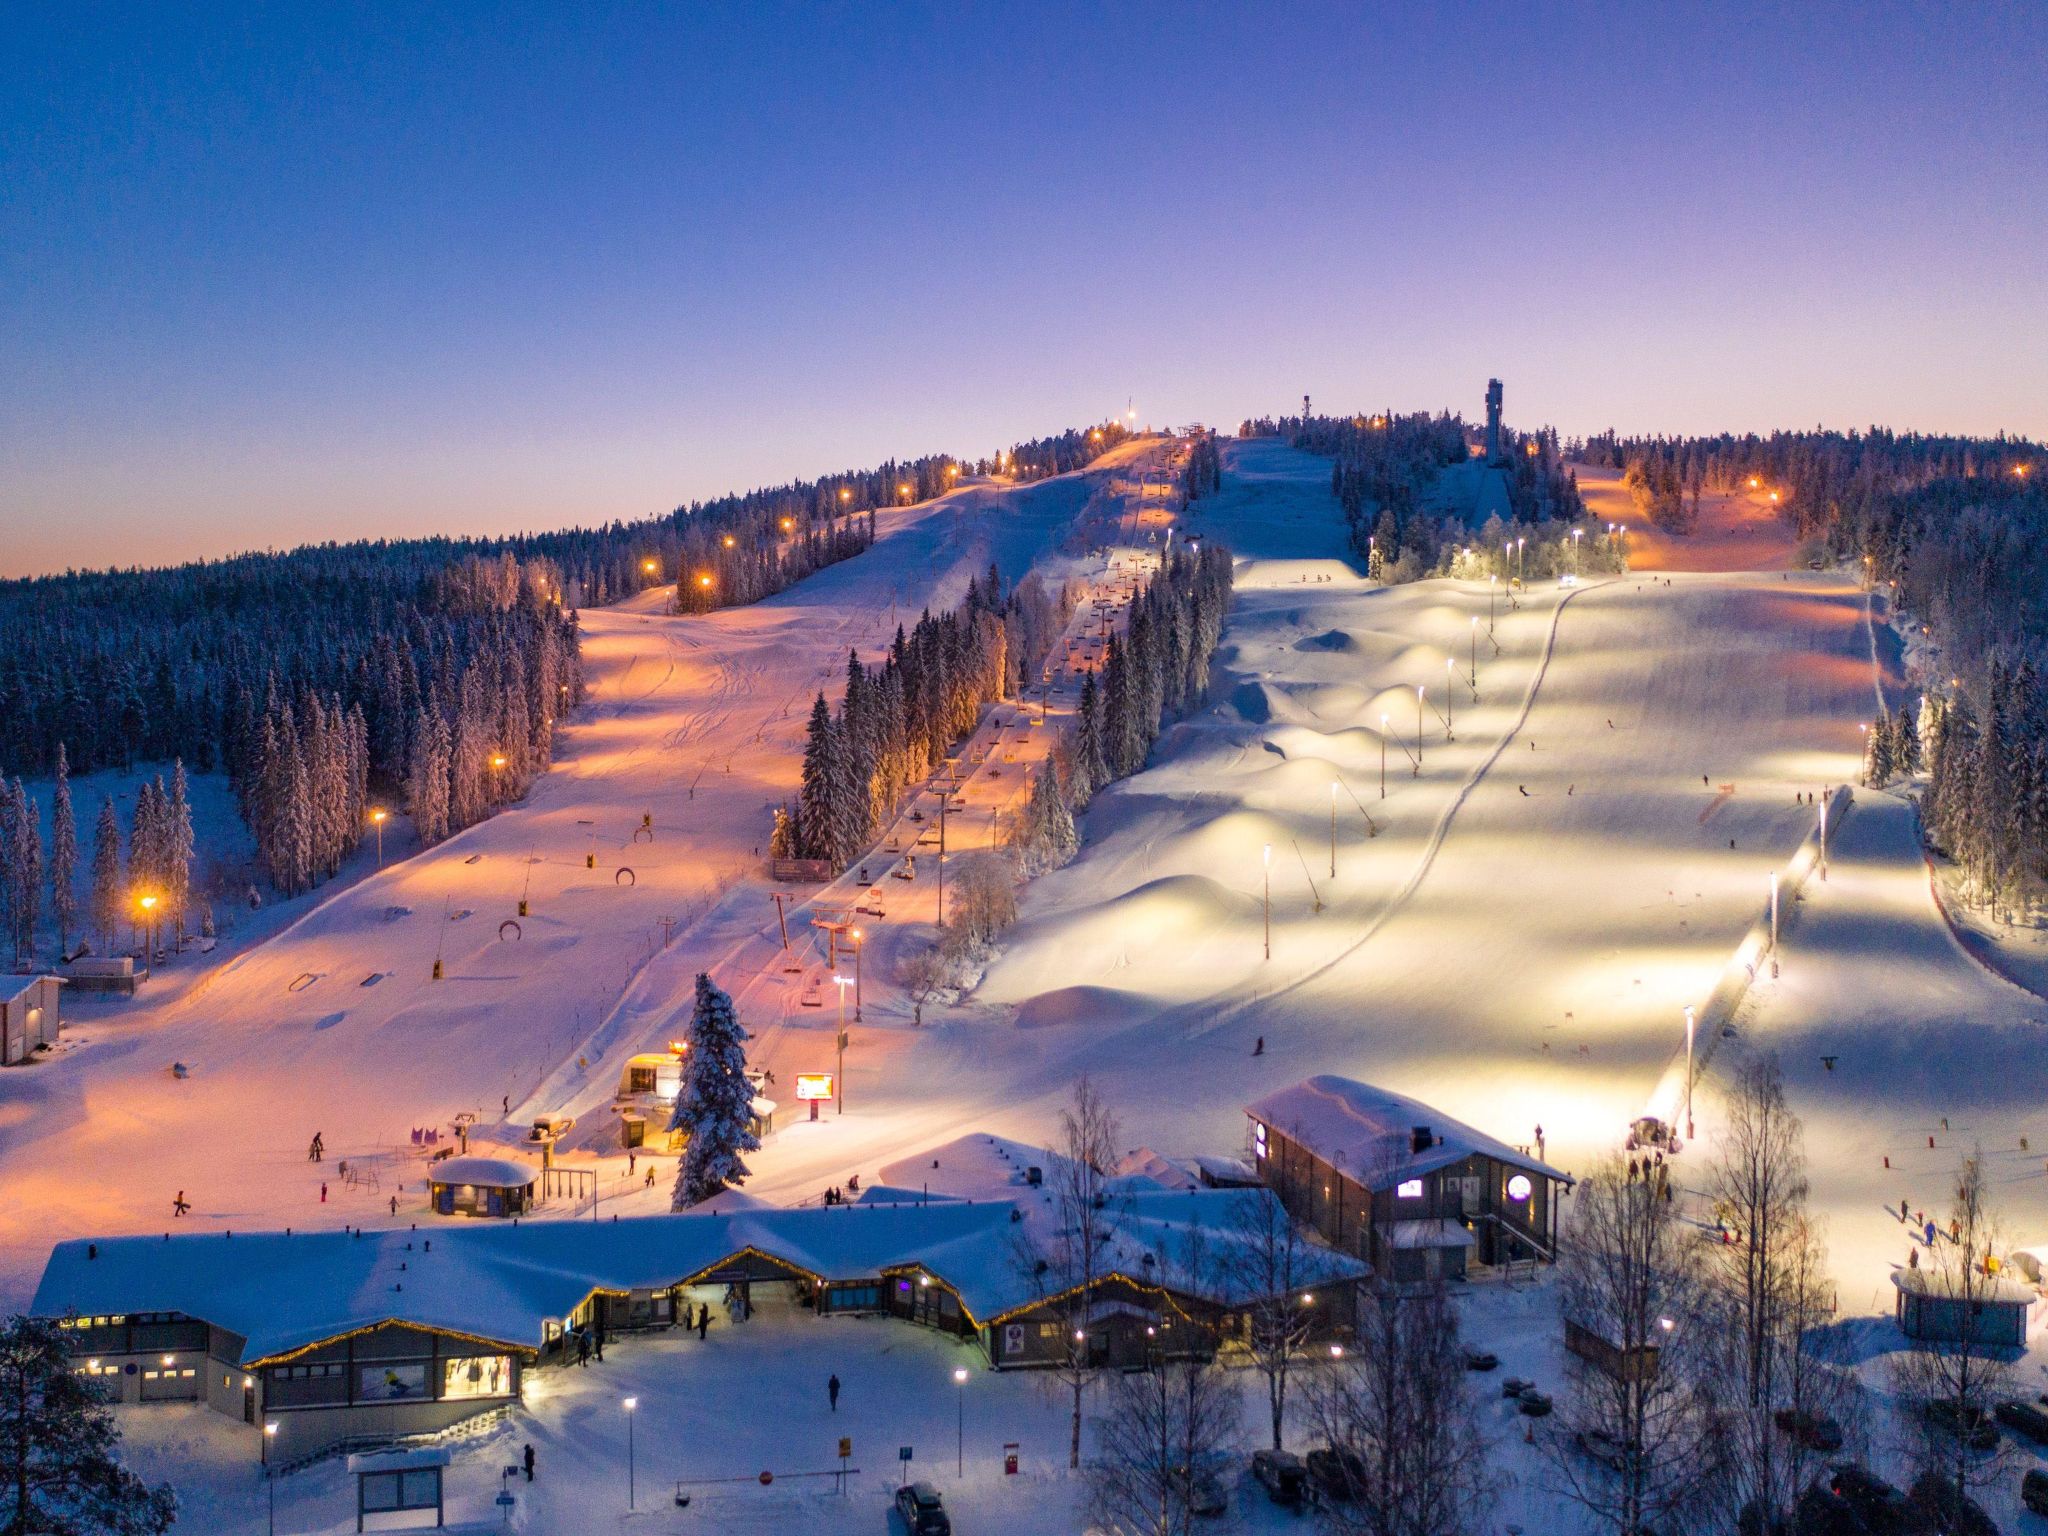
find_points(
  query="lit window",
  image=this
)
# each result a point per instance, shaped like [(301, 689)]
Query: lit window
[(1258, 1139), (1409, 1189)]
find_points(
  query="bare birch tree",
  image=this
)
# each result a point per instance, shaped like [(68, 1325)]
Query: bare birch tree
[(1272, 1269), (1947, 1385), (1068, 1266), (1637, 1443), (1396, 1400)]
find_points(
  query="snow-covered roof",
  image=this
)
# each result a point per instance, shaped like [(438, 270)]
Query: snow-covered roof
[(1144, 1163), (488, 1172), (1436, 1233), (1368, 1132), (12, 987), (1945, 1286), (287, 1292)]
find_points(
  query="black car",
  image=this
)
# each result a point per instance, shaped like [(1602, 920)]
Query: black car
[(1282, 1475), (1338, 1475), (1815, 1431), (923, 1512), (1481, 1360), (2024, 1418), (1822, 1512), (1971, 1425), (1950, 1512), (1878, 1507)]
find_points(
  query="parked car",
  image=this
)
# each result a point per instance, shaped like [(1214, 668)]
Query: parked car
[(1338, 1475), (1208, 1494), (1514, 1386), (2034, 1492), (1950, 1512), (1533, 1404), (1481, 1360), (2024, 1418), (1282, 1475), (1815, 1431), (1878, 1507), (1971, 1425), (923, 1511)]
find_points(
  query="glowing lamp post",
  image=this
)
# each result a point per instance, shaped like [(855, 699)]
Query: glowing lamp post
[(960, 1421), (377, 819), (1688, 1072), (1474, 679), (651, 567), (632, 1492), (148, 903), (859, 941), (270, 1472), (1450, 700), (842, 983)]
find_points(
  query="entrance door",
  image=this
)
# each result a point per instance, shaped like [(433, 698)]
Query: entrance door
[(249, 1404)]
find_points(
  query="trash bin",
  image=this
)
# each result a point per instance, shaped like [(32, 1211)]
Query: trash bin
[(632, 1130)]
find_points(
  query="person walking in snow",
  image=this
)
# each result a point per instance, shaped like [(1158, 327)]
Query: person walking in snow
[(394, 1205), (315, 1151), (180, 1205), (650, 1176), (1259, 1046), (703, 1321), (323, 1191), (527, 1458), (832, 1391), (632, 1163), (1524, 789), (583, 1347)]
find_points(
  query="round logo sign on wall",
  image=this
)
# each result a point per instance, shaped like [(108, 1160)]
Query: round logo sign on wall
[(1519, 1187)]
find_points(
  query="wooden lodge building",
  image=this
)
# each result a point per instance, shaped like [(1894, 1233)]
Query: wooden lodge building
[(1403, 1186)]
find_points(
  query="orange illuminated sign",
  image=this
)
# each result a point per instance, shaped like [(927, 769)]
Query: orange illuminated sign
[(813, 1085)]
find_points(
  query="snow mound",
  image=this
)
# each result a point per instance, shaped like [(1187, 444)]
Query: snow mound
[(1080, 1005), (1329, 640)]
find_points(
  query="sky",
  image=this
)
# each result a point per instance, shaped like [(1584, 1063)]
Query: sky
[(288, 273)]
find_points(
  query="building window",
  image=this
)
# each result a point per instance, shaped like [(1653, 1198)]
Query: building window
[(1409, 1189), (477, 1376)]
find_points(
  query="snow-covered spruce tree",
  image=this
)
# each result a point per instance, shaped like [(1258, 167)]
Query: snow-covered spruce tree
[(106, 874), (817, 827), (63, 854), (1049, 839), (715, 1102), (1091, 751), (26, 871), (59, 1475), (178, 846)]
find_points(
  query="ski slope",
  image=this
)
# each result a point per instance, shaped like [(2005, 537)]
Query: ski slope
[(337, 1024)]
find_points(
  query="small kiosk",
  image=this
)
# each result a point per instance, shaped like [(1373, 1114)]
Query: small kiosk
[(481, 1186), (398, 1482)]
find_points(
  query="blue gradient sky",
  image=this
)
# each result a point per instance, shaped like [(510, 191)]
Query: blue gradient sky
[(308, 274)]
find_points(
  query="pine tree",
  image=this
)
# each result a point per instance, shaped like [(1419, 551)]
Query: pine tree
[(1091, 750), (63, 855), (106, 874), (178, 847), (715, 1102), (59, 1472), (1049, 836), (26, 871), (816, 826)]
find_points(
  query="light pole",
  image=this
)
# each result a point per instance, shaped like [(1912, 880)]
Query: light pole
[(1475, 658), (839, 1102), (858, 938), (1823, 832), (945, 799), (1774, 922), (1688, 1072), (1269, 901), (1492, 586), (960, 1421), (148, 905), (270, 1472), (1450, 700), (632, 1491), (377, 819)]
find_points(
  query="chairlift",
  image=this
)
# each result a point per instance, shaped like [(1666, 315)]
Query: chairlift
[(812, 996)]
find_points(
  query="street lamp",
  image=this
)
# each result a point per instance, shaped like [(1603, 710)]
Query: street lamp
[(1450, 700), (270, 1472), (377, 820), (839, 1102), (632, 1491), (859, 939), (960, 1421), (1269, 901), (1475, 658), (148, 905), (1688, 1072)]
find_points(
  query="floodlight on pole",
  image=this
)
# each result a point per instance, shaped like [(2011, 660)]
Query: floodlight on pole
[(377, 819), (1688, 1071), (960, 1421), (1450, 700), (839, 1084), (1474, 678), (632, 1490)]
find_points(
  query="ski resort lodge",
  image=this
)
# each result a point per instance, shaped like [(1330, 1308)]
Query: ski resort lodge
[(365, 1336), (1401, 1185)]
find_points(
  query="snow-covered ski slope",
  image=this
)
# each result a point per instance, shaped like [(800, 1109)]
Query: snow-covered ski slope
[(337, 1024)]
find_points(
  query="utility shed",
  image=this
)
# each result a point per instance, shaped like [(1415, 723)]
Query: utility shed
[(1399, 1183), (28, 1016), (1948, 1308)]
